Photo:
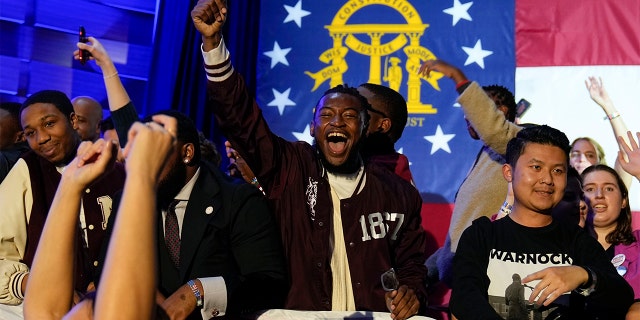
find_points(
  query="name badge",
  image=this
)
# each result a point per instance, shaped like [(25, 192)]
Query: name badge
[(618, 260)]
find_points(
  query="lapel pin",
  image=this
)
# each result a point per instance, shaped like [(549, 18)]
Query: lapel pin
[(618, 259), (622, 270), (208, 210)]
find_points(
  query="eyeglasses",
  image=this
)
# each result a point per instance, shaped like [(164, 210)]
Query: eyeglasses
[(378, 112), (389, 280)]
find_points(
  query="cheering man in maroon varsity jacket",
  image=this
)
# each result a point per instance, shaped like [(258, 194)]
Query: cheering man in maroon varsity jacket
[(343, 222)]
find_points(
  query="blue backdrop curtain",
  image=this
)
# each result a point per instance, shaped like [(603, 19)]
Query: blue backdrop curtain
[(177, 79)]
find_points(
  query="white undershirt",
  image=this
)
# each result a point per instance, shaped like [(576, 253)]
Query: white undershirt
[(342, 187)]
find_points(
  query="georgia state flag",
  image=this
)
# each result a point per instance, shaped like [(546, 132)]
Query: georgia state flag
[(543, 50)]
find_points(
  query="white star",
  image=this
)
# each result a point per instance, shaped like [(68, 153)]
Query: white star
[(281, 100), (278, 55), (476, 54), (457, 105), (458, 11), (304, 136), (440, 140), (296, 13)]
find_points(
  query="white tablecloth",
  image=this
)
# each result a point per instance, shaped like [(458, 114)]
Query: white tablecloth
[(281, 314), (15, 313)]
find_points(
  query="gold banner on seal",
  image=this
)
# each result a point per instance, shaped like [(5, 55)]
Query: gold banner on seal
[(348, 37)]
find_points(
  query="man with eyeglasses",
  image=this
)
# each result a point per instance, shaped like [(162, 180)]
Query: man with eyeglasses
[(388, 117)]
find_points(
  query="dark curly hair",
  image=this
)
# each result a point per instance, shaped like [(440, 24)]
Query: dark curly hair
[(502, 97)]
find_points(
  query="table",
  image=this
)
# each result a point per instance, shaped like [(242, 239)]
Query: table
[(282, 314)]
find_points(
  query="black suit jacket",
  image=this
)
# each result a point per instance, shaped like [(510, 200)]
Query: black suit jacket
[(227, 231)]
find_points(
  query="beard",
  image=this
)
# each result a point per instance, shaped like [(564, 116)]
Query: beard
[(170, 185), (351, 166)]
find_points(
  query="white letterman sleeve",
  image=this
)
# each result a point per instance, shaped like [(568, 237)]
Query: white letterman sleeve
[(16, 200), (217, 63)]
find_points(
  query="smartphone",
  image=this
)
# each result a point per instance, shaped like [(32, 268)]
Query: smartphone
[(84, 54), (522, 107)]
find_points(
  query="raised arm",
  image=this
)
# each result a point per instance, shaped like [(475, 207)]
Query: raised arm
[(449, 71), (234, 108), (116, 93), (600, 96), (208, 17), (480, 110), (632, 151), (131, 294), (123, 112), (50, 285)]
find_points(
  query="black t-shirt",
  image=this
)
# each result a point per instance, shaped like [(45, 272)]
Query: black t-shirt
[(491, 255)]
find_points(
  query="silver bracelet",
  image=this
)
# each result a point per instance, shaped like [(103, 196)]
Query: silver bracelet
[(110, 76)]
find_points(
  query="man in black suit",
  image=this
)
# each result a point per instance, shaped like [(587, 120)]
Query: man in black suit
[(229, 259)]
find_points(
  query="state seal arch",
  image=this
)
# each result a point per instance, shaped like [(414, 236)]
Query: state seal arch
[(407, 39)]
